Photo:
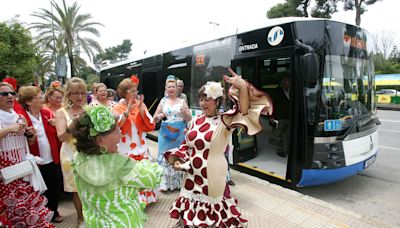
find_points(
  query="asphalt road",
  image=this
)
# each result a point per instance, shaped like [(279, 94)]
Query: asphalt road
[(376, 191)]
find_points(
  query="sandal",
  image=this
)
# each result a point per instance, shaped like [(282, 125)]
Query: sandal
[(58, 219)]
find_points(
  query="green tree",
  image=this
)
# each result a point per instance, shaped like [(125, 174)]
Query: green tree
[(17, 52), (45, 66), (324, 8), (299, 8), (66, 24), (289, 9), (395, 55), (119, 52), (359, 6), (89, 75)]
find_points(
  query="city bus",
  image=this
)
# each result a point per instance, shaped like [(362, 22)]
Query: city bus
[(324, 126)]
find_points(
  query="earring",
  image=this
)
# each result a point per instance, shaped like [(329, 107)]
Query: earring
[(103, 149), (69, 104)]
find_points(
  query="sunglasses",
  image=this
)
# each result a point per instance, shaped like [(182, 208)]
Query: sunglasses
[(5, 94)]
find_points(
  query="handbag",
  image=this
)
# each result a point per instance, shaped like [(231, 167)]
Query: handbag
[(169, 132), (14, 172)]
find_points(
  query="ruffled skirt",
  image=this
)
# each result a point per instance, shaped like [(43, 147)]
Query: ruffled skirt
[(203, 211), (23, 207)]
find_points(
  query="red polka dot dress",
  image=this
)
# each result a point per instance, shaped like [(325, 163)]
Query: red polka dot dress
[(201, 202), (195, 206), (21, 206)]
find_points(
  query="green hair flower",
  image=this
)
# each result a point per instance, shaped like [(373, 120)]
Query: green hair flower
[(101, 118)]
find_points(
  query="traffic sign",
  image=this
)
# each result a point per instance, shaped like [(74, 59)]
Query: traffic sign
[(333, 125)]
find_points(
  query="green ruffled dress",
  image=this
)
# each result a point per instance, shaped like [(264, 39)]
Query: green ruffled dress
[(108, 185)]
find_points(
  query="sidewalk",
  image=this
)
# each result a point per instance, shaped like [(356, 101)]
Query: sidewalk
[(262, 203)]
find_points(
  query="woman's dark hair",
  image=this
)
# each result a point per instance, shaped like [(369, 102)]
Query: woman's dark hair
[(80, 129)]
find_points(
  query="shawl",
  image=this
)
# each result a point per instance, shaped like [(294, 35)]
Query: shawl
[(145, 124)]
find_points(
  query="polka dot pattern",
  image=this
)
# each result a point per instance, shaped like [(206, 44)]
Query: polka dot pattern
[(198, 213)]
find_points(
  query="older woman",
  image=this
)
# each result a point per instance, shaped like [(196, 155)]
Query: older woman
[(46, 145), (75, 98), (54, 97), (107, 181), (101, 96), (171, 135), (202, 201), (134, 121), (21, 205)]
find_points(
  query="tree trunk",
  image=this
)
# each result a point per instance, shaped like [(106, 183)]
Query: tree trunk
[(358, 11), (305, 6), (71, 59), (71, 62)]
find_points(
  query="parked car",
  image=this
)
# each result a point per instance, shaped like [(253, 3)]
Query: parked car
[(391, 92)]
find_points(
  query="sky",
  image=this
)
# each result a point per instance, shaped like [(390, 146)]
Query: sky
[(161, 25)]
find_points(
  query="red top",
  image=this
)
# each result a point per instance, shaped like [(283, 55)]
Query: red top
[(51, 134)]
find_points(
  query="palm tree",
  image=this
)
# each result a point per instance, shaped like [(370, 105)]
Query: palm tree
[(68, 26)]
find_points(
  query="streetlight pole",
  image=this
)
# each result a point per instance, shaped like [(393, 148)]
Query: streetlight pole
[(214, 24)]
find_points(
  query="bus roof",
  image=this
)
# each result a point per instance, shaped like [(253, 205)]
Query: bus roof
[(268, 23)]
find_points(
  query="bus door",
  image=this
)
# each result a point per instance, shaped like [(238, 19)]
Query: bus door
[(268, 151)]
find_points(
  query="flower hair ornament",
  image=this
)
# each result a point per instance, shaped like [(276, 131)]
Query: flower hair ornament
[(11, 81), (214, 90), (135, 79), (55, 84), (99, 118)]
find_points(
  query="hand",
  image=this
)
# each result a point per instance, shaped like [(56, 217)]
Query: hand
[(30, 131), (52, 121), (273, 122), (140, 99), (185, 111), (17, 128), (236, 81), (131, 103), (159, 117), (177, 165)]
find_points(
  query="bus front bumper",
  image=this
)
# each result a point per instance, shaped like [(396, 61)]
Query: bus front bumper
[(312, 177)]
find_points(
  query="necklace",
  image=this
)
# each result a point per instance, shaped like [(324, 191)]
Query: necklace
[(74, 113)]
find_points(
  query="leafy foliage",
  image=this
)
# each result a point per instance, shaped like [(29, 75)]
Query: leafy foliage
[(89, 75), (387, 55), (17, 52), (359, 6), (66, 27), (288, 9), (324, 8), (119, 52)]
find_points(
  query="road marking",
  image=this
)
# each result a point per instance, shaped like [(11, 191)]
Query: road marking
[(386, 120), (394, 131), (390, 148)]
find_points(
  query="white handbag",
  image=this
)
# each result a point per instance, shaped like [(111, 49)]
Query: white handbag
[(14, 172), (27, 169)]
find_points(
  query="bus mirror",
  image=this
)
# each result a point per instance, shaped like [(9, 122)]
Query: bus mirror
[(310, 67)]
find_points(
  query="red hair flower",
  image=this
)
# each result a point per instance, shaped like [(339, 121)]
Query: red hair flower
[(11, 81), (135, 79), (55, 84)]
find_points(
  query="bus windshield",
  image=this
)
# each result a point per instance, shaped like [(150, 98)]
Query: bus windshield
[(348, 90)]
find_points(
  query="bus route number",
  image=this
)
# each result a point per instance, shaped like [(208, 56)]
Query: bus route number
[(199, 60)]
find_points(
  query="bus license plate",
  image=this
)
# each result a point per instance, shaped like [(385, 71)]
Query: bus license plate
[(369, 162)]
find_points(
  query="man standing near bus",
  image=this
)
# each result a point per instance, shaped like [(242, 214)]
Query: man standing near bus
[(181, 95), (280, 119)]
